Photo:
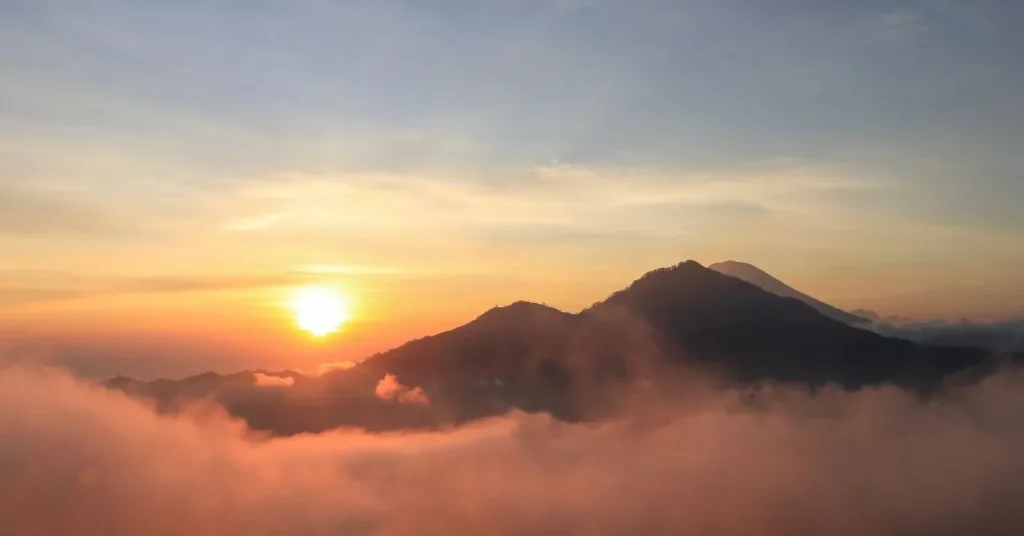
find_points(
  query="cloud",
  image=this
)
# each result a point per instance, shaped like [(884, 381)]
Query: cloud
[(1000, 336), (27, 211), (71, 287), (256, 223), (348, 269), (898, 26), (324, 368), (205, 282), (266, 380), (782, 462), (389, 388), (575, 198), (25, 355), (415, 395), (25, 296)]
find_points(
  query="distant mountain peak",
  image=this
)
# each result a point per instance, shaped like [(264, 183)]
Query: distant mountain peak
[(730, 266), (759, 278), (735, 264)]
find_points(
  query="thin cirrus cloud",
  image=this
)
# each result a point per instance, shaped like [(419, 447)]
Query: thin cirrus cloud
[(26, 211), (19, 296), (582, 197), (82, 287), (348, 269)]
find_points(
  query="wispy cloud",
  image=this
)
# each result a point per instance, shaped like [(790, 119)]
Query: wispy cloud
[(78, 287), (572, 196), (201, 283), (348, 269), (35, 211), (15, 296), (256, 223)]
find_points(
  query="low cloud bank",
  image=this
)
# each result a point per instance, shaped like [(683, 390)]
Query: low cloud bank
[(78, 459), (999, 335)]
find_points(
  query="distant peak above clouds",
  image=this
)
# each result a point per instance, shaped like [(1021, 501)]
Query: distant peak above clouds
[(758, 277)]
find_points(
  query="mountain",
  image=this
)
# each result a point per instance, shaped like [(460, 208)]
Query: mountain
[(533, 357), (749, 334), (685, 314), (755, 276)]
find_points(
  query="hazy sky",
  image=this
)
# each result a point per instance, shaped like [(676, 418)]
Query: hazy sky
[(185, 163)]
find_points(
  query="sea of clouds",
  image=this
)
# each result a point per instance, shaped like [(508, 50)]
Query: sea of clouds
[(77, 459)]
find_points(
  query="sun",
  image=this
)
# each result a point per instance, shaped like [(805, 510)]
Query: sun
[(320, 310)]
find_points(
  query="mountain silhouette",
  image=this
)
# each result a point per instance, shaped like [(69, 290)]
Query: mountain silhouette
[(756, 276), (749, 334), (533, 357)]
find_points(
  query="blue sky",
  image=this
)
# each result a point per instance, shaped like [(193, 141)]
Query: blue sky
[(870, 152)]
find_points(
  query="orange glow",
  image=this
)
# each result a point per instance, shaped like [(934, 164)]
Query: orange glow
[(320, 310)]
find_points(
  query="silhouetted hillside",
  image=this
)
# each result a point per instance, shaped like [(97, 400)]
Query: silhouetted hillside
[(506, 356), (756, 276)]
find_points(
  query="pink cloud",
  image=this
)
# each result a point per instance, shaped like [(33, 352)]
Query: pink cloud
[(389, 388)]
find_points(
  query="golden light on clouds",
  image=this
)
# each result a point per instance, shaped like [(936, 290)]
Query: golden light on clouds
[(320, 310)]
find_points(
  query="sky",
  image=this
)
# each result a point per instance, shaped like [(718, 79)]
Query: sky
[(169, 172)]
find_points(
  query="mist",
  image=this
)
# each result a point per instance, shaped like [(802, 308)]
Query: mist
[(1000, 336), (79, 459)]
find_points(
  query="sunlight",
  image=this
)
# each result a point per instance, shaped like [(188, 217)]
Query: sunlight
[(320, 310)]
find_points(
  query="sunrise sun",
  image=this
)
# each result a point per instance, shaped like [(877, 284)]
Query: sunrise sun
[(320, 310)]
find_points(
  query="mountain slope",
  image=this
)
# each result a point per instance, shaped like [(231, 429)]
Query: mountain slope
[(755, 276)]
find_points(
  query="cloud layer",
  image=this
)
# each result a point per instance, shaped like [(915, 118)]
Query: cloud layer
[(1001, 336), (76, 459)]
